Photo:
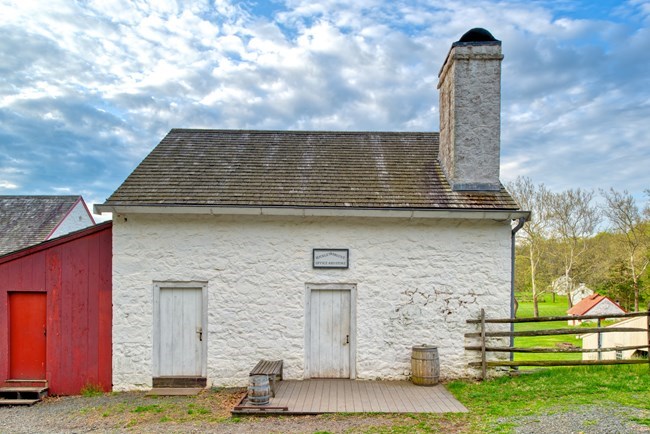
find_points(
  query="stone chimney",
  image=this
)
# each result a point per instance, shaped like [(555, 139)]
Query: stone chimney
[(470, 112)]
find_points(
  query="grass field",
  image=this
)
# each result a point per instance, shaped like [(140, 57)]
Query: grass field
[(552, 390), (547, 308)]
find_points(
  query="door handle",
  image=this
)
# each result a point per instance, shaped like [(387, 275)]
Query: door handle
[(199, 331), (347, 339)]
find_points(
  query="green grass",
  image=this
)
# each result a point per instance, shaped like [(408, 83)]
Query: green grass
[(642, 421), (547, 308), (155, 408), (91, 389), (551, 390), (193, 409)]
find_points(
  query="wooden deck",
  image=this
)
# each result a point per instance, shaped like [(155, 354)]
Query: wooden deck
[(350, 396)]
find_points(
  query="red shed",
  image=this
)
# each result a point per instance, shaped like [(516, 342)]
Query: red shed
[(56, 312)]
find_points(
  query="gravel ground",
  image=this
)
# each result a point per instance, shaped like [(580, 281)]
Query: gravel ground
[(587, 419), (209, 412), (135, 412)]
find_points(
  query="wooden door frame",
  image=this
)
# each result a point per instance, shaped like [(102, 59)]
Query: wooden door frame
[(157, 286), (352, 288)]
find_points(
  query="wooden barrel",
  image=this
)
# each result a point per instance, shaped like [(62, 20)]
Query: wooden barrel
[(425, 366), (259, 390)]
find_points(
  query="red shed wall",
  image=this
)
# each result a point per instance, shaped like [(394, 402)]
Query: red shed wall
[(75, 272)]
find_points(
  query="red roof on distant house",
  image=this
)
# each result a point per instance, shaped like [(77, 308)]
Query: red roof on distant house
[(589, 303)]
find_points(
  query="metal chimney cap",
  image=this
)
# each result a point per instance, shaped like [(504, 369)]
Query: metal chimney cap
[(477, 34)]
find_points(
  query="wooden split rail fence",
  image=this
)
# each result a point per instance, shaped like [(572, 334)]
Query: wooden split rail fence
[(484, 337)]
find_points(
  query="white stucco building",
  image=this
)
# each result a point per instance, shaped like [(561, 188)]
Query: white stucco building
[(333, 251)]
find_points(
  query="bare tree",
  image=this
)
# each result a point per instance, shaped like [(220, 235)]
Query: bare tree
[(627, 220), (572, 220), (533, 198)]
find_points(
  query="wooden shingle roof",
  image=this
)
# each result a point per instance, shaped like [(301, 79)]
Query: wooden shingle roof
[(377, 170), (29, 220)]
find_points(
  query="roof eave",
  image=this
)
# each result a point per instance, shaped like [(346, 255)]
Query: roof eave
[(446, 213), (71, 236)]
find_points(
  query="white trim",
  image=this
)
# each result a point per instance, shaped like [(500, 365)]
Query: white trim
[(157, 285), (352, 287), (501, 215)]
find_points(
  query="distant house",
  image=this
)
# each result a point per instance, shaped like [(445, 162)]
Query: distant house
[(29, 220), (336, 252), (594, 304), (55, 313), (562, 285), (620, 340), (580, 293)]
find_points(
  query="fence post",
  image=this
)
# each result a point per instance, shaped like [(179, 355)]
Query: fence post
[(600, 342), (483, 357)]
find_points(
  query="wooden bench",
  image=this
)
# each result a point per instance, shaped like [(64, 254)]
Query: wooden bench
[(272, 368)]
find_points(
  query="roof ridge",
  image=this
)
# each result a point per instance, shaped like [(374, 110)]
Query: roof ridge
[(228, 130), (32, 196)]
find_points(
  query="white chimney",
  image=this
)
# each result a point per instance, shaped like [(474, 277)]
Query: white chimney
[(470, 112)]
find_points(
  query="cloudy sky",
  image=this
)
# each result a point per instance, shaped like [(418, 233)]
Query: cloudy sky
[(89, 87)]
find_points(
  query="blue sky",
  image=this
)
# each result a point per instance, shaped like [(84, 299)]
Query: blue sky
[(88, 88)]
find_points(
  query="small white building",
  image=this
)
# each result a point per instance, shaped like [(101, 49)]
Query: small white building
[(594, 304), (333, 251), (620, 340), (580, 293)]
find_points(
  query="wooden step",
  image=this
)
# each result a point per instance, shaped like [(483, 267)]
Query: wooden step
[(19, 394), (8, 402), (182, 382), (25, 383)]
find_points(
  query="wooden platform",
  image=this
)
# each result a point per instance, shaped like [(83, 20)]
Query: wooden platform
[(350, 396)]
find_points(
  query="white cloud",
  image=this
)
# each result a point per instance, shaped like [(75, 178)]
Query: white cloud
[(91, 87), (7, 185)]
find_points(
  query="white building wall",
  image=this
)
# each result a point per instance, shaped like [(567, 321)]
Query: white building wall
[(617, 339), (76, 219), (417, 283), (605, 307)]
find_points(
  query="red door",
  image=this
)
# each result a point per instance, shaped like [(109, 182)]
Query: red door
[(27, 335)]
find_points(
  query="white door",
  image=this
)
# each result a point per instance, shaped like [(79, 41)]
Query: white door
[(330, 334), (179, 348)]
